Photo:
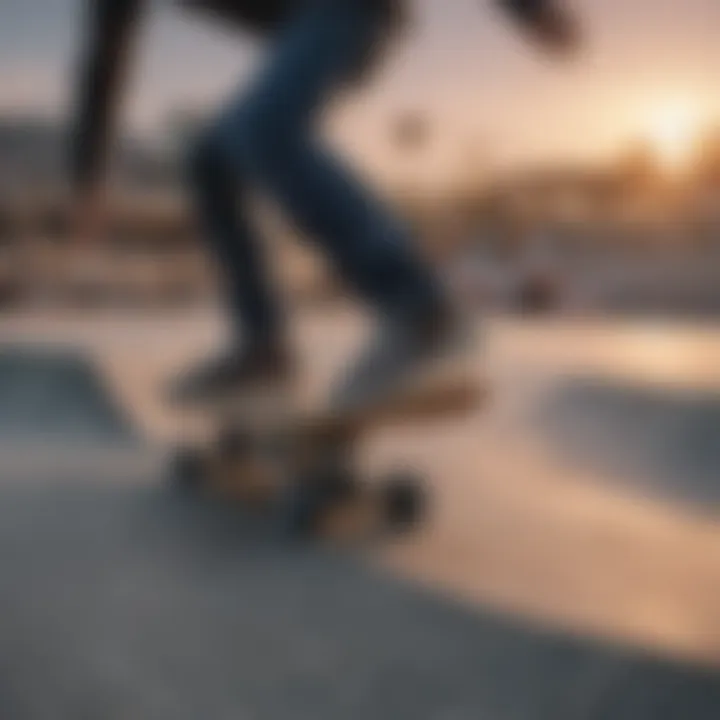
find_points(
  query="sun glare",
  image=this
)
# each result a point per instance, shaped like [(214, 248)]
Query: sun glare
[(673, 130)]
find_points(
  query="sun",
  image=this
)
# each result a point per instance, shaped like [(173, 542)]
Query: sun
[(672, 129)]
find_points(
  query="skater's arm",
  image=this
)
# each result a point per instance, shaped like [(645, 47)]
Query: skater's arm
[(109, 28), (548, 22)]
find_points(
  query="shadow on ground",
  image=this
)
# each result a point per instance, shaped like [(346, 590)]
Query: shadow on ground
[(663, 443)]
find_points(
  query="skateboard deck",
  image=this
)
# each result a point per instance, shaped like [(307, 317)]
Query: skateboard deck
[(259, 459)]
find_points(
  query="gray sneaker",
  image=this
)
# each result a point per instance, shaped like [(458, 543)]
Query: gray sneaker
[(406, 353)]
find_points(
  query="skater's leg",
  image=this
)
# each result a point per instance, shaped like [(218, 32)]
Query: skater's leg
[(257, 351), (270, 137), (271, 133), (219, 200)]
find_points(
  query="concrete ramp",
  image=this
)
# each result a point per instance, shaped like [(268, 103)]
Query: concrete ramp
[(50, 394), (662, 442), (120, 599)]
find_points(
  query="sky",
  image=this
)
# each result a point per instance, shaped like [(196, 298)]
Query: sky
[(646, 64)]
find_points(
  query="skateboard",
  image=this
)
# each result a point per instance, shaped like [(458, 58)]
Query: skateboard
[(304, 463)]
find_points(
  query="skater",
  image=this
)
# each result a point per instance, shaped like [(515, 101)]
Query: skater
[(268, 139)]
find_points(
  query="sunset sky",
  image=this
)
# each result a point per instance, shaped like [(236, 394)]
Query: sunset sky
[(650, 68)]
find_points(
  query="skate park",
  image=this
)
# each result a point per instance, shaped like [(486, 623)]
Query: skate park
[(569, 566)]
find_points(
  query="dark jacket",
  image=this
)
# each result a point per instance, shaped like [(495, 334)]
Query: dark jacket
[(260, 15), (266, 15)]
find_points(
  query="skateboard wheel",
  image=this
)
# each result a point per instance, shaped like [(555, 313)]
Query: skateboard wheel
[(404, 499), (187, 471)]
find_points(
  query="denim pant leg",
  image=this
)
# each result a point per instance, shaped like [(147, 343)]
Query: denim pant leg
[(239, 254), (270, 135)]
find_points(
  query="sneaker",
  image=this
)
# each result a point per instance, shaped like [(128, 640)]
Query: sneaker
[(404, 354), (236, 372)]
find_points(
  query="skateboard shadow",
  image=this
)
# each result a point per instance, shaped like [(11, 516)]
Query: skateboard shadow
[(130, 599), (661, 442)]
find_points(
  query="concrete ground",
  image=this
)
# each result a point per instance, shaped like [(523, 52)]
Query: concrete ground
[(571, 568)]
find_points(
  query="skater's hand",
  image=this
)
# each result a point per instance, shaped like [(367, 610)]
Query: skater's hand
[(548, 23)]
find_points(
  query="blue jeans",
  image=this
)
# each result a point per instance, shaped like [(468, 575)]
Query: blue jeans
[(268, 139)]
